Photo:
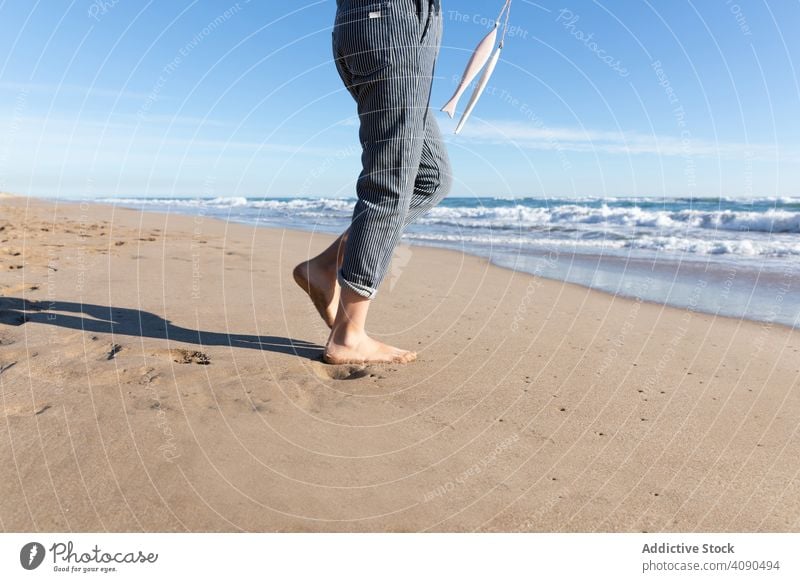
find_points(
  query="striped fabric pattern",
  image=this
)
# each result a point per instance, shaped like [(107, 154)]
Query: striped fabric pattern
[(385, 53)]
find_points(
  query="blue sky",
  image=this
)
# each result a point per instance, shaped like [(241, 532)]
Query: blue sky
[(219, 98)]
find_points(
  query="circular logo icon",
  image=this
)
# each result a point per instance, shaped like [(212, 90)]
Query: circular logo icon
[(31, 555)]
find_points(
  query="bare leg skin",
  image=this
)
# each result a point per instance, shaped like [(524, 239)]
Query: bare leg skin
[(349, 343), (317, 277)]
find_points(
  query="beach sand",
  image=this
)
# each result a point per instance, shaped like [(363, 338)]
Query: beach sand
[(162, 373)]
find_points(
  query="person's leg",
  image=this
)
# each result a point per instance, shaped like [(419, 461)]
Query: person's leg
[(317, 277), (434, 177), (390, 56), (349, 343), (393, 109)]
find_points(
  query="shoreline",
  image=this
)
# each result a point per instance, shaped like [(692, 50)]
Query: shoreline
[(161, 372), (666, 265)]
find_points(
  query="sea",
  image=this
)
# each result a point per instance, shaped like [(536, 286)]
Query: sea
[(734, 257)]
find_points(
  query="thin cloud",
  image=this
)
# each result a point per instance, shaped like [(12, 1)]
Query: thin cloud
[(72, 89), (79, 135), (623, 142)]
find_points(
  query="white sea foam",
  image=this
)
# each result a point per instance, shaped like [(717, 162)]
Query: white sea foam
[(519, 216), (322, 206), (673, 244)]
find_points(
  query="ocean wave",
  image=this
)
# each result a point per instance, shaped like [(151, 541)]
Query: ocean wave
[(321, 206), (228, 202), (520, 216), (672, 244), (666, 200), (626, 220), (219, 202)]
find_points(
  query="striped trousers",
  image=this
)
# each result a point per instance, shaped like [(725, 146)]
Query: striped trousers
[(385, 52)]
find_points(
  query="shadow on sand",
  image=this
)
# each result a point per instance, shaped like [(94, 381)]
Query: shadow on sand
[(134, 322)]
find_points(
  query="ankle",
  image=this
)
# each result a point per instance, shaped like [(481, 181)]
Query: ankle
[(347, 335), (323, 264)]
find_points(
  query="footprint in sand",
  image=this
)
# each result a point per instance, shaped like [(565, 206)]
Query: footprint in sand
[(20, 287), (25, 410), (345, 371), (181, 356), (112, 353), (305, 395), (148, 376)]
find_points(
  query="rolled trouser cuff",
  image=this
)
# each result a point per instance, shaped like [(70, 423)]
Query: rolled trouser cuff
[(363, 290)]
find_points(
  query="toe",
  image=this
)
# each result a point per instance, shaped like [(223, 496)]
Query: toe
[(405, 357)]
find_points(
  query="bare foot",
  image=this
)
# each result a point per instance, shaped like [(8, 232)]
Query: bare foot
[(365, 350), (321, 286)]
